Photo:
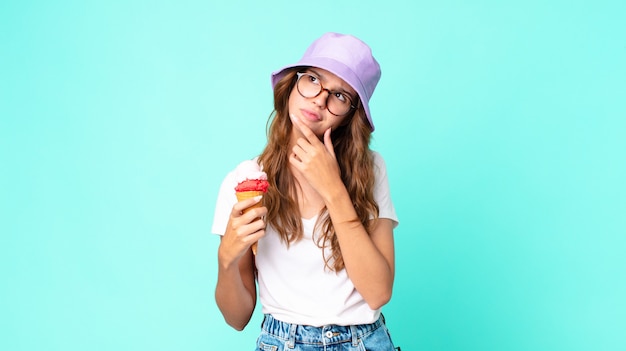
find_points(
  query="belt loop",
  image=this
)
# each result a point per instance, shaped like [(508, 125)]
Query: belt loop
[(291, 343), (355, 339)]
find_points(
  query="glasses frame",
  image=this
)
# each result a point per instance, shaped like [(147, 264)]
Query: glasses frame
[(330, 92)]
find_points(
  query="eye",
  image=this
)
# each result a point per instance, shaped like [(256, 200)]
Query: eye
[(313, 79), (341, 97)]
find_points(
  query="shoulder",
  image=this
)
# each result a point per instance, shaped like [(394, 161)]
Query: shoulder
[(378, 162), (377, 157)]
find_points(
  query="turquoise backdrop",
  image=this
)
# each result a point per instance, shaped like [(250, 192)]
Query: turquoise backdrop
[(503, 124)]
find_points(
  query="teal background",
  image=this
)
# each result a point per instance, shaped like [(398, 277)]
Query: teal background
[(503, 124)]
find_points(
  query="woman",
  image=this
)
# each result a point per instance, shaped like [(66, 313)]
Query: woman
[(325, 260)]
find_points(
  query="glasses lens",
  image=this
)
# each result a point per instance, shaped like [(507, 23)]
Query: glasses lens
[(337, 103), (309, 86)]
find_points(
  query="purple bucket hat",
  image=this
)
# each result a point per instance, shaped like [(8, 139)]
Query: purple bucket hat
[(348, 58)]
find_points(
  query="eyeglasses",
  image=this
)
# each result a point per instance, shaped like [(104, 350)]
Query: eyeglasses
[(338, 103)]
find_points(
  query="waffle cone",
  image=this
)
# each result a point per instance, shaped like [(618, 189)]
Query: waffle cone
[(244, 195)]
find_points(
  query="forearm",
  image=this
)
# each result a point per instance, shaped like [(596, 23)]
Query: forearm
[(235, 293), (368, 260)]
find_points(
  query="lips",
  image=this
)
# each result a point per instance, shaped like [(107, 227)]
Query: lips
[(310, 115)]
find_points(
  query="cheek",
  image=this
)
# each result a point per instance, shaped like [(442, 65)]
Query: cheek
[(292, 103)]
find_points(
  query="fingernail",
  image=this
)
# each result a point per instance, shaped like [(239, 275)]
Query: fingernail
[(258, 198)]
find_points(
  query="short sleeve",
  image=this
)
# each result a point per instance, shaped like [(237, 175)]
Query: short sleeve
[(226, 198), (382, 192)]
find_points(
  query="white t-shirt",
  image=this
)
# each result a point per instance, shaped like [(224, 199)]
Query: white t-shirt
[(294, 285)]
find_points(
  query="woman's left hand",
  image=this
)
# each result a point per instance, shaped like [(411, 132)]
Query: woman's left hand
[(315, 160)]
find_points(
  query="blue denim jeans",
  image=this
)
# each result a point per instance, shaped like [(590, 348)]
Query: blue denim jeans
[(280, 336)]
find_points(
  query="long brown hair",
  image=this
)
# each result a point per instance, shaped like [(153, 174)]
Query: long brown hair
[(351, 144)]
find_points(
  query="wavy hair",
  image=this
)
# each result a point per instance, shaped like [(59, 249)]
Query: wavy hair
[(351, 144)]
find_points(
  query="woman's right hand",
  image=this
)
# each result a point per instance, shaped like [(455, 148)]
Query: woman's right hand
[(235, 292), (242, 231)]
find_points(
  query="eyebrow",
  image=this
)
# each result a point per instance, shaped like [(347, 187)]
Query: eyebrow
[(341, 89)]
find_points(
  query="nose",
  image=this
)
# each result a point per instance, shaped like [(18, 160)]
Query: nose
[(322, 99)]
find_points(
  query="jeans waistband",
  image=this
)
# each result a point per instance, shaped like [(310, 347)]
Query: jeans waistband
[(325, 335)]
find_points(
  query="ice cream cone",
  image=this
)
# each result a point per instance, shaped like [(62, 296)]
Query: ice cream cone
[(244, 195), (251, 182)]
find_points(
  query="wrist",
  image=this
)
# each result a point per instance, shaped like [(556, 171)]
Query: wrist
[(225, 262), (334, 192), (340, 207)]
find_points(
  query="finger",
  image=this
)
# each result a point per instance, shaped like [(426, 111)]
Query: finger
[(328, 143), (305, 130), (257, 225), (295, 160), (249, 223), (240, 206), (254, 214), (245, 220), (254, 237), (303, 148), (305, 151)]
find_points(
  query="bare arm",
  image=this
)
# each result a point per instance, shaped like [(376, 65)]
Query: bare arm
[(368, 257), (235, 292)]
